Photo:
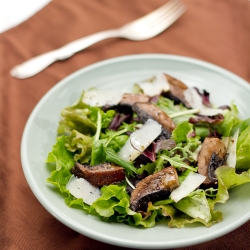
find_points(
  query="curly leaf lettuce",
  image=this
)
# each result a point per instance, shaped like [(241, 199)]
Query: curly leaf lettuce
[(196, 206), (114, 205), (83, 118), (227, 179), (63, 161), (80, 145)]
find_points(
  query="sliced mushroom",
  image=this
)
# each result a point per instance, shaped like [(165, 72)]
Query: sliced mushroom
[(99, 175), (211, 156), (131, 99), (154, 187), (147, 111), (128, 100), (176, 90)]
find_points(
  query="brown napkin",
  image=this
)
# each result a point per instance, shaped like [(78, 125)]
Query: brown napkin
[(217, 31)]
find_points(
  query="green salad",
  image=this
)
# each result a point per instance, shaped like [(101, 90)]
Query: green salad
[(162, 152)]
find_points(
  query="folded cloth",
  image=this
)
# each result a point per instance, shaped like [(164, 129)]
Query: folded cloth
[(216, 31)]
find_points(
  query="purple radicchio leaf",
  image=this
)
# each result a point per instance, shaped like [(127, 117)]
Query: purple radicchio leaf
[(163, 144), (224, 107), (191, 134), (150, 154), (118, 120), (215, 119), (154, 99), (155, 147), (205, 97), (215, 133)]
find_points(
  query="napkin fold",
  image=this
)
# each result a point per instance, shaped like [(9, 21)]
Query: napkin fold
[(216, 31)]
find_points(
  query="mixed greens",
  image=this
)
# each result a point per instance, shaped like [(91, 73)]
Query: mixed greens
[(94, 133)]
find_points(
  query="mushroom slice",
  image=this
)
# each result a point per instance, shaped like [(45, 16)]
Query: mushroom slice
[(153, 188), (99, 175), (128, 100), (131, 99), (176, 92), (147, 111), (211, 156)]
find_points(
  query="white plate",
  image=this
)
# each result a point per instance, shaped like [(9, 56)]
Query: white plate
[(40, 133)]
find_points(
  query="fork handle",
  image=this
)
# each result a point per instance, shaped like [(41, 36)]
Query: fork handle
[(38, 63)]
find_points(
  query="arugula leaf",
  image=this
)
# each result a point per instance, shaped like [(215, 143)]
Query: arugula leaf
[(98, 154), (177, 162), (149, 168), (111, 156), (186, 145), (170, 108)]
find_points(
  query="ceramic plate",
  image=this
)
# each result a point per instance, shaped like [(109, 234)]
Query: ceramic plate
[(40, 133)]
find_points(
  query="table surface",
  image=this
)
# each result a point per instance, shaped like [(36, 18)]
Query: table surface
[(216, 31)]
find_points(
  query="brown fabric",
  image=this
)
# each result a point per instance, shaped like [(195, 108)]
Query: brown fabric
[(217, 31)]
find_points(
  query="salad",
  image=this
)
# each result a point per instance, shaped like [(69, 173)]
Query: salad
[(160, 153)]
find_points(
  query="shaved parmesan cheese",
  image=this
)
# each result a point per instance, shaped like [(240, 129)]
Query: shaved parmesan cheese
[(192, 181), (195, 101), (80, 188), (140, 140), (102, 97), (231, 150), (155, 87)]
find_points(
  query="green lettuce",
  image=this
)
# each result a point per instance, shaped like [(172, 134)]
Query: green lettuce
[(83, 118), (231, 120), (196, 206), (243, 150), (114, 204), (227, 179), (170, 108), (80, 145), (61, 161), (76, 119)]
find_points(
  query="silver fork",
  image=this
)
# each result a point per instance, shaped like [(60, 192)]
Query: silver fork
[(141, 29)]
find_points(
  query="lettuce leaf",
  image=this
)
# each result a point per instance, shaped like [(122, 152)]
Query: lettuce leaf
[(76, 120), (231, 120), (242, 125), (61, 161), (196, 206), (243, 150), (227, 179), (181, 132), (80, 145), (83, 118), (114, 205)]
